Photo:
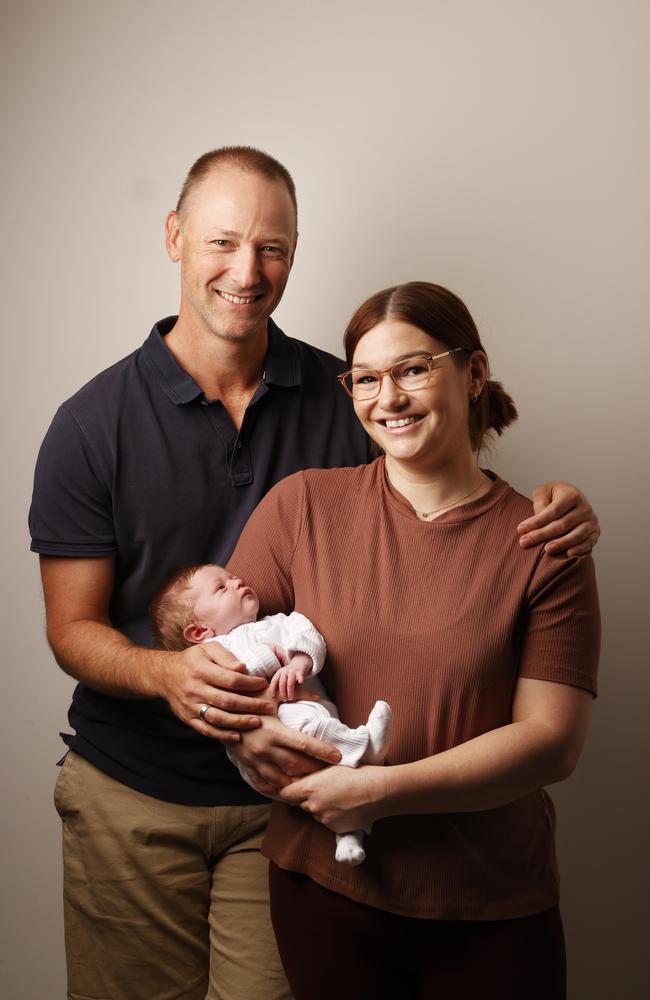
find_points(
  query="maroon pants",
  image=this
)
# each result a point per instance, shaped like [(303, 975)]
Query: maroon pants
[(333, 948)]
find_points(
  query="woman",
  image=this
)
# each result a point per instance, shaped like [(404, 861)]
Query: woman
[(487, 653)]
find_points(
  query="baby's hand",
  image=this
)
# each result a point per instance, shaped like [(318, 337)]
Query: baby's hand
[(288, 678)]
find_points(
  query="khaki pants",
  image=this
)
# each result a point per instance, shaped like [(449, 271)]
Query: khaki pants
[(163, 901)]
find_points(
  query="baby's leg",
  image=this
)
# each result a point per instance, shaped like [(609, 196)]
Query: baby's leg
[(312, 717), (364, 745)]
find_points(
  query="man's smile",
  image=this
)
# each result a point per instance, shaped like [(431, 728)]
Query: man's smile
[(237, 300)]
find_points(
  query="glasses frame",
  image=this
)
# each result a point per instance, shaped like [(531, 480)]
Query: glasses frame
[(429, 358)]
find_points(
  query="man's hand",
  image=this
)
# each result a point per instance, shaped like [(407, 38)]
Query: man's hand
[(273, 755), (563, 518), (77, 596), (289, 677), (210, 675)]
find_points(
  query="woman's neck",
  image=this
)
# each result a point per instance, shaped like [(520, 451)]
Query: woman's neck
[(432, 492)]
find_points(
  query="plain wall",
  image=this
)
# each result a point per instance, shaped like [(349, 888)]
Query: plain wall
[(500, 148)]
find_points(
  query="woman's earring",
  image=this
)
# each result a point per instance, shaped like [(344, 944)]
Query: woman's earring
[(474, 398)]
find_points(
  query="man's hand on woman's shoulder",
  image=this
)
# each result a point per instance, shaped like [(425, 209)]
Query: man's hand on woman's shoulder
[(564, 521)]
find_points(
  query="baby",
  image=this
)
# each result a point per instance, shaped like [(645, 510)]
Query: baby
[(206, 604)]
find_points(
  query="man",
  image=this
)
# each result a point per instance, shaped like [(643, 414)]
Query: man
[(158, 462)]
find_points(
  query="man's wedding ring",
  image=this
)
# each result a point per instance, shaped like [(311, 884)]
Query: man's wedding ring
[(202, 710)]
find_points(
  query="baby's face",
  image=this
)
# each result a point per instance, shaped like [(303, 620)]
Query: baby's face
[(221, 601)]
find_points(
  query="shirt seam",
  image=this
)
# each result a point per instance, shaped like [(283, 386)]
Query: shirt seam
[(97, 463), (303, 505)]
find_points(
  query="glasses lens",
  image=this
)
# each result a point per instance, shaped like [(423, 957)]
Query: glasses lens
[(362, 383), (412, 374)]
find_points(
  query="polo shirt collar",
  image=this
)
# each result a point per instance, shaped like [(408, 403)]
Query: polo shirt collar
[(174, 380), (281, 367)]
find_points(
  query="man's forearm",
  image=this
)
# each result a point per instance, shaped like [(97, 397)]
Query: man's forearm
[(101, 657)]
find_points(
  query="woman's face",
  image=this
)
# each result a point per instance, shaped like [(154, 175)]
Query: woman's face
[(423, 427)]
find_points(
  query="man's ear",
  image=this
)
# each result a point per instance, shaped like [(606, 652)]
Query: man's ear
[(195, 633), (293, 252), (174, 236)]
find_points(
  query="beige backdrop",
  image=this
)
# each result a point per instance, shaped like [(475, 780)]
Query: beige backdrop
[(500, 148)]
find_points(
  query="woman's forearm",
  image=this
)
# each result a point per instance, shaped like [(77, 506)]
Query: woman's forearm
[(496, 767), (486, 772), (540, 746)]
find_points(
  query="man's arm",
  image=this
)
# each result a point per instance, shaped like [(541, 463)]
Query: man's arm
[(77, 594), (563, 519)]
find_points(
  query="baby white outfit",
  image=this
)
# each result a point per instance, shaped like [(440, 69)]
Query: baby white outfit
[(296, 634)]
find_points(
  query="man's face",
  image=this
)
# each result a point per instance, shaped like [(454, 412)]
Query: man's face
[(221, 601), (235, 239)]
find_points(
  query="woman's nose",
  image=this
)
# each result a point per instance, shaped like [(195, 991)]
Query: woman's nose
[(389, 393)]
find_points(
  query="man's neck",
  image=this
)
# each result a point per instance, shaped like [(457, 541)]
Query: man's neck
[(227, 370)]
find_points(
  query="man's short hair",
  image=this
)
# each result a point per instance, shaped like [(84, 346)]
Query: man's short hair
[(243, 157)]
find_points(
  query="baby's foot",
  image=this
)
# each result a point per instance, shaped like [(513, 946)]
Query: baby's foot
[(348, 848), (378, 726)]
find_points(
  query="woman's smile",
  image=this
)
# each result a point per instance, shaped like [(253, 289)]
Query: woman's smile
[(400, 423)]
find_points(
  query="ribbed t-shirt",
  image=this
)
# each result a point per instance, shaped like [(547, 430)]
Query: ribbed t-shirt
[(440, 619)]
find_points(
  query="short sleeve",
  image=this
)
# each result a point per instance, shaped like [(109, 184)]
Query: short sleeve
[(71, 510), (264, 554), (561, 627)]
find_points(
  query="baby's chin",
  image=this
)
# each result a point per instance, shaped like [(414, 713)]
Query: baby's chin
[(251, 606)]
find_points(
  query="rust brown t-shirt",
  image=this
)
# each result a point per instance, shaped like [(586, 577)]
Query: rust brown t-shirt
[(439, 619)]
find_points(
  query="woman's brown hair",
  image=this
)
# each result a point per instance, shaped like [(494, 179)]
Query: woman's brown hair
[(442, 315)]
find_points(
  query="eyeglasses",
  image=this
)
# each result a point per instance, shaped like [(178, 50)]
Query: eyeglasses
[(408, 375)]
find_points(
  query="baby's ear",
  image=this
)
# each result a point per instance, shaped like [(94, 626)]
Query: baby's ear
[(195, 633)]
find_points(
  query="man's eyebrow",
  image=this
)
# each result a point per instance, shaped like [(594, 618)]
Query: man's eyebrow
[(402, 357), (231, 232)]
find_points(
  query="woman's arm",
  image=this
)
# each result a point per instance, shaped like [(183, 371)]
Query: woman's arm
[(540, 746)]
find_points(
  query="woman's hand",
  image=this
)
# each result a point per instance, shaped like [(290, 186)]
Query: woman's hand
[(341, 798)]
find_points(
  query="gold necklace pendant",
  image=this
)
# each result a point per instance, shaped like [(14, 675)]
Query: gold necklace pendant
[(426, 514)]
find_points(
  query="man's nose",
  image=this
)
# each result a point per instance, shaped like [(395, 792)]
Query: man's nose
[(245, 267)]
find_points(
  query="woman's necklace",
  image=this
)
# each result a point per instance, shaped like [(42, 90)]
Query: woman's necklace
[(426, 514)]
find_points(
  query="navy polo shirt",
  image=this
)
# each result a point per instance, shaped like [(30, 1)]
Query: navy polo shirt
[(140, 465)]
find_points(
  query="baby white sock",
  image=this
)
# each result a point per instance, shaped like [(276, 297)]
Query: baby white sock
[(349, 848), (378, 726)]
